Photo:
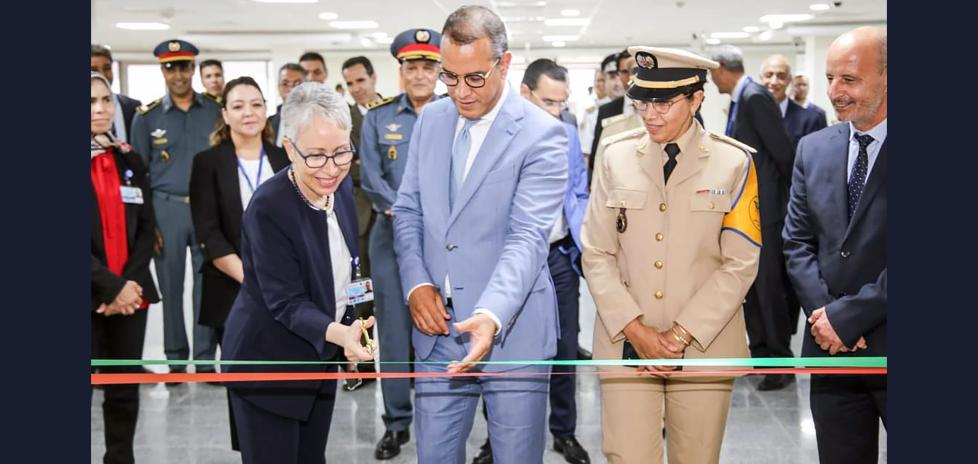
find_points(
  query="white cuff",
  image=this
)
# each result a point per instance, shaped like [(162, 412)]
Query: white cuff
[(491, 316), (426, 284)]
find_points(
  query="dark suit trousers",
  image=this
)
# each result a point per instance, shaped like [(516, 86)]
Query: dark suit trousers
[(847, 411), (767, 309), (119, 337), (563, 404), (268, 438)]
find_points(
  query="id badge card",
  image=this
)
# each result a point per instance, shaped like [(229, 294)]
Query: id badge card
[(131, 195), (360, 291)]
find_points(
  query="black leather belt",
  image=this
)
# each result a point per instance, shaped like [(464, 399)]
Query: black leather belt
[(560, 242)]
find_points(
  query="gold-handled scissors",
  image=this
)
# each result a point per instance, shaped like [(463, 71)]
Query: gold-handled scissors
[(369, 344)]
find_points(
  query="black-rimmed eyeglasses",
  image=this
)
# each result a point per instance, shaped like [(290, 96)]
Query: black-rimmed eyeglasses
[(473, 80), (660, 106), (340, 157)]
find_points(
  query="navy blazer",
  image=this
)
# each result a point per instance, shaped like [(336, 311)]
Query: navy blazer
[(287, 298), (799, 122), (832, 261)]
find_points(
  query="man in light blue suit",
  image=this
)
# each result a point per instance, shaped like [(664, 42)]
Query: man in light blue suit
[(483, 186)]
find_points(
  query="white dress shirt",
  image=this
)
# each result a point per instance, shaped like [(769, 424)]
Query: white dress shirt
[(784, 107), (251, 171)]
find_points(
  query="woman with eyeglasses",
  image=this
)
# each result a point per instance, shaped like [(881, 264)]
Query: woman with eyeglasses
[(299, 256), (121, 247), (671, 244), (222, 182)]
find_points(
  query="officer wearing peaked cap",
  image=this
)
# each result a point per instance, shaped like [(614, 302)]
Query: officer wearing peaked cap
[(385, 137), (168, 133), (671, 243)]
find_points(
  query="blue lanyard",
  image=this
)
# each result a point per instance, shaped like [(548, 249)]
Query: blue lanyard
[(261, 164)]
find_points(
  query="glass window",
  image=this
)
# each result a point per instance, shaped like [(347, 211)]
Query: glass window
[(145, 81)]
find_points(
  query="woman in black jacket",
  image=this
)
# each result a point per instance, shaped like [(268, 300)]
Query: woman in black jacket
[(223, 179), (121, 247)]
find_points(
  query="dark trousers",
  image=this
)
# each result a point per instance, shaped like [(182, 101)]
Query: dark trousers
[(268, 438), (767, 308), (119, 337), (219, 332), (563, 403), (847, 411)]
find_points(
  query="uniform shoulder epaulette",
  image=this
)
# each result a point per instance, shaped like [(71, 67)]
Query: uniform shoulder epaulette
[(380, 103), (734, 142), (613, 119), (629, 134), (212, 98), (143, 109)]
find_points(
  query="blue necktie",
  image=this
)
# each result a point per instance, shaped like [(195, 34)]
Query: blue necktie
[(460, 154), (857, 179), (730, 117)]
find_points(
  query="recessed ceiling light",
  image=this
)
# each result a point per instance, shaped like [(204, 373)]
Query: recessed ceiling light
[(752, 29), (819, 6), (150, 26), (713, 41), (570, 12), (729, 35), (328, 15), (354, 24), (560, 38), (765, 36), (558, 43), (786, 18), (384, 40), (566, 21), (285, 1)]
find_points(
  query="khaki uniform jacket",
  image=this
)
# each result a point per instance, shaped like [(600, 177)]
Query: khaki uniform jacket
[(680, 258)]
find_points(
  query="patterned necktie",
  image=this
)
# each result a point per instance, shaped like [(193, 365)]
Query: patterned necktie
[(460, 154), (673, 151), (857, 178)]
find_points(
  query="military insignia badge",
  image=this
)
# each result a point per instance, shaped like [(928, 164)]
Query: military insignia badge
[(422, 36), (392, 152), (646, 60), (174, 46), (393, 127), (622, 222), (158, 133), (165, 155)]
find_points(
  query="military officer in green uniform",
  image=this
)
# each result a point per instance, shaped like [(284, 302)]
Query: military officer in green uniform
[(384, 138), (168, 133)]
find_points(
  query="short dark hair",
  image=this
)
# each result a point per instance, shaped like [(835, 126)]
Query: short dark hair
[(612, 58), (359, 60), (543, 67), (623, 55), (312, 56), (101, 50), (292, 67), (206, 63), (472, 22)]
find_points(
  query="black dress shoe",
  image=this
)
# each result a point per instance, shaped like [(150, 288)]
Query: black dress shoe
[(485, 454), (573, 452), (390, 444), (582, 353), (775, 382)]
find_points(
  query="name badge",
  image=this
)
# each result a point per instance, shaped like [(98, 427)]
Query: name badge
[(360, 291), (393, 136), (160, 141), (131, 195)]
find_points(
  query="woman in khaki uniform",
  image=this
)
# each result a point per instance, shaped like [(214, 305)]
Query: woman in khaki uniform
[(671, 244)]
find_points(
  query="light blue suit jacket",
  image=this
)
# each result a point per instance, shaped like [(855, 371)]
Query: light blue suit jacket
[(494, 242), (576, 195)]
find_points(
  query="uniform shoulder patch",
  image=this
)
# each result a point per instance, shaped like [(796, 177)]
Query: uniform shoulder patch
[(153, 104), (380, 103), (629, 134), (613, 119), (212, 98), (734, 142)]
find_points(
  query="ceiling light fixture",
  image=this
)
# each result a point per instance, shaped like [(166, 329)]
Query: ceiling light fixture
[(819, 6), (558, 43), (144, 26), (713, 41), (567, 21), (354, 24), (328, 15), (570, 12), (765, 36), (786, 18), (752, 29)]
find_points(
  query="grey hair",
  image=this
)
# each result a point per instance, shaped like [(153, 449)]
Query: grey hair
[(312, 99), (105, 80), (730, 57), (472, 22)]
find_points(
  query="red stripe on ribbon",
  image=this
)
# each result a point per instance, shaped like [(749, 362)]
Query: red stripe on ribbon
[(117, 379)]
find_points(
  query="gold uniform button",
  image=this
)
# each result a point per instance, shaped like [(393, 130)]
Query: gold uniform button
[(658, 264), (659, 237), (658, 295), (662, 206), (712, 205)]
